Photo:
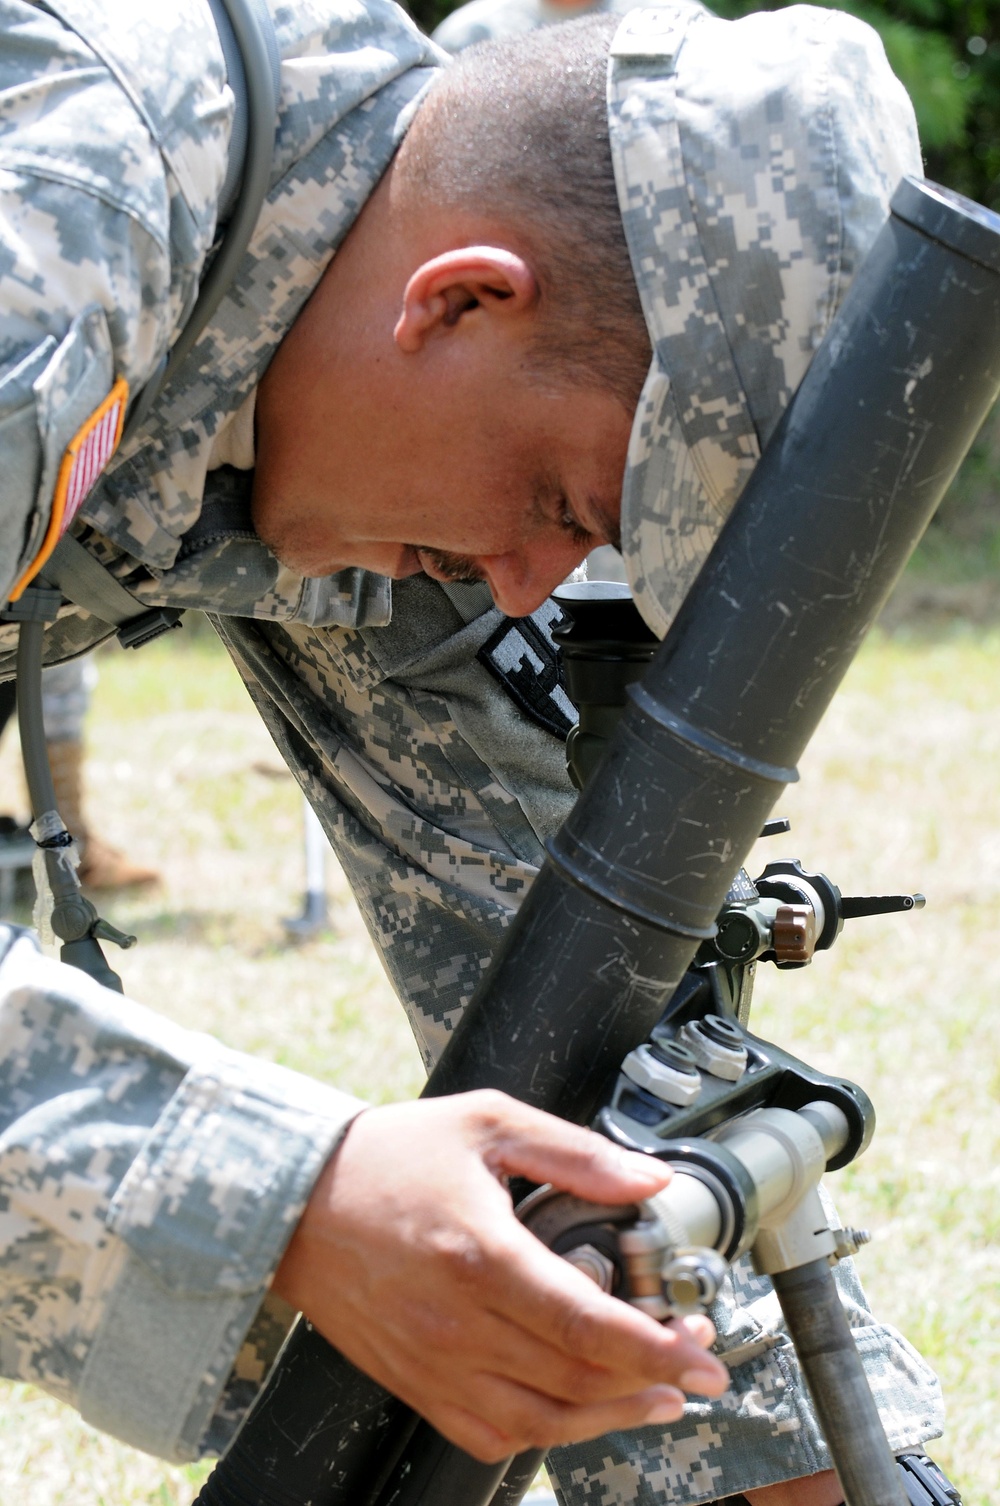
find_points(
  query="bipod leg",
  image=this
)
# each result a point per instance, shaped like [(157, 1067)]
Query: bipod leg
[(836, 1378)]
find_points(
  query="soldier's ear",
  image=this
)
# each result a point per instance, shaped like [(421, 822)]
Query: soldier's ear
[(490, 280)]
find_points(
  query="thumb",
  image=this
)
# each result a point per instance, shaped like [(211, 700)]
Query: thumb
[(543, 1148)]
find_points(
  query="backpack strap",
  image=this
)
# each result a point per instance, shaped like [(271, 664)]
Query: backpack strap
[(253, 63), (83, 580)]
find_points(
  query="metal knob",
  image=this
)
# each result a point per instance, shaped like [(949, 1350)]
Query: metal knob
[(794, 933)]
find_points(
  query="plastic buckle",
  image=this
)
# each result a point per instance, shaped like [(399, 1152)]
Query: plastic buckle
[(35, 604), (150, 625), (925, 1483)]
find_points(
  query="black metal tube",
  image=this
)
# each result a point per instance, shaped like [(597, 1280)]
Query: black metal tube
[(430, 1472), (890, 404), (836, 1378), (517, 1481), (888, 408), (354, 1429)]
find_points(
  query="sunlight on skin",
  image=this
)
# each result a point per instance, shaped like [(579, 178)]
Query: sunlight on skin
[(812, 1490)]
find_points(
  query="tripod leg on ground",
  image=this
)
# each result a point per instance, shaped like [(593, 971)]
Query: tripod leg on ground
[(314, 914)]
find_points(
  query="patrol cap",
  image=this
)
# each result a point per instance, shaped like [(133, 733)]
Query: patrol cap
[(754, 162)]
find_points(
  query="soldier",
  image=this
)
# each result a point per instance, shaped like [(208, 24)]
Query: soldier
[(66, 691), (364, 449), (489, 20)]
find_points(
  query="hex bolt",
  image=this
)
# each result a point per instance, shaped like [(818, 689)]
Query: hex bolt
[(675, 1084), (594, 1263), (673, 1054), (717, 1046), (849, 1242), (691, 1280)]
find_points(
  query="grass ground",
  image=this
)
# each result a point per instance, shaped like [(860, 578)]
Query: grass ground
[(899, 791)]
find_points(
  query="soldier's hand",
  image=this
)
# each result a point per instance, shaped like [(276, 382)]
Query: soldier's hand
[(409, 1259)]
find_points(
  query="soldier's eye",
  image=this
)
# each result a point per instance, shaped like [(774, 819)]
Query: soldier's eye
[(572, 524)]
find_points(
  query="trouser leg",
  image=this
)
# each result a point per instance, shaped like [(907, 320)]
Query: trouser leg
[(8, 701), (101, 866)]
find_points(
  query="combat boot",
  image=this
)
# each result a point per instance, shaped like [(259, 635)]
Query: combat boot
[(101, 865)]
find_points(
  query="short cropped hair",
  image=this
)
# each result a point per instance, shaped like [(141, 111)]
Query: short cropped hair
[(518, 127)]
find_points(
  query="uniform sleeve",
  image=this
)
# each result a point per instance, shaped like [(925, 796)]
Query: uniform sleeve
[(107, 211), (149, 1182)]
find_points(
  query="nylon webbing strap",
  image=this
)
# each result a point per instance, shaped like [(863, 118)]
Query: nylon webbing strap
[(83, 580)]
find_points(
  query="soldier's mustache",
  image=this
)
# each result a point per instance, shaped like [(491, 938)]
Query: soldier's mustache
[(459, 569)]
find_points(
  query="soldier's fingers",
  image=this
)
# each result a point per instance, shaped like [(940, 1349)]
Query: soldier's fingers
[(524, 1142), (540, 1294), (513, 1354), (500, 1418)]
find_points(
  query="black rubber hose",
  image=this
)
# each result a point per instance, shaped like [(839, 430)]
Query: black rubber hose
[(73, 915), (836, 1378), (30, 720), (254, 34), (885, 414)]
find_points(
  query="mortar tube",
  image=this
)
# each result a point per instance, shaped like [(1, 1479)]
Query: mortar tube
[(885, 413), (431, 1471), (640, 868)]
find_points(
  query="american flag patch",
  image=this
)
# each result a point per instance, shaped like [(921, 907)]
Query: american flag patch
[(87, 453)]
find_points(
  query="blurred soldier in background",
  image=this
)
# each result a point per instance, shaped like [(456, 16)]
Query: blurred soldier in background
[(66, 693)]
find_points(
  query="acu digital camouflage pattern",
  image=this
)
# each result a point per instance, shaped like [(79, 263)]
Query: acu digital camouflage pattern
[(93, 282), (436, 787), (150, 1181), (755, 160), (486, 20)]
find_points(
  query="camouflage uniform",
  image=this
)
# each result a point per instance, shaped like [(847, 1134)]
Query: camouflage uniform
[(482, 20), (66, 692), (152, 1177)]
